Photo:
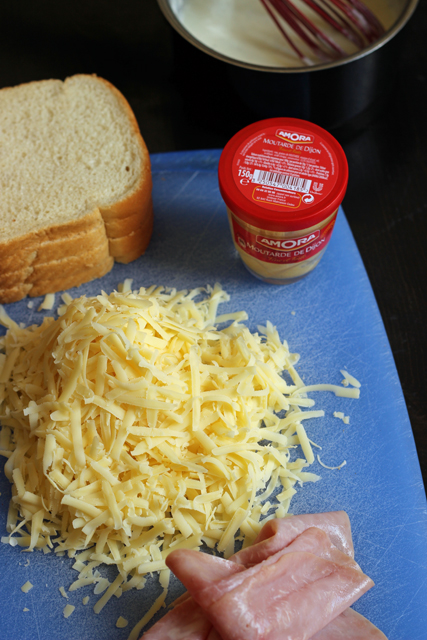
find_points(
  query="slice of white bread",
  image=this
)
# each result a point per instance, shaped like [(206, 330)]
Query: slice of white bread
[(39, 272), (57, 282), (122, 247), (75, 180), (65, 247)]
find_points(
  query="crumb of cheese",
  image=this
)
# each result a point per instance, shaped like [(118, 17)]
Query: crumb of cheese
[(341, 416), (85, 600), (48, 302), (340, 466), (27, 587), (349, 379), (68, 610), (101, 585), (121, 623), (63, 592), (125, 286)]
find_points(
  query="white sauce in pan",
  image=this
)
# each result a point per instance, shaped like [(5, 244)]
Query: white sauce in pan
[(243, 30)]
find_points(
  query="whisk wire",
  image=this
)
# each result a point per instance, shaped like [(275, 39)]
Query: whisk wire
[(350, 18), (340, 22), (321, 45), (285, 35)]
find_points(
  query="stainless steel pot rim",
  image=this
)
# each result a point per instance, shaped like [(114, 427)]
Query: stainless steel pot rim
[(409, 9)]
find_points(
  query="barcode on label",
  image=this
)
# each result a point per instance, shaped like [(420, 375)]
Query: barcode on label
[(293, 183)]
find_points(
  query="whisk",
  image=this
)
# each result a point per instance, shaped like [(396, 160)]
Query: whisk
[(351, 18)]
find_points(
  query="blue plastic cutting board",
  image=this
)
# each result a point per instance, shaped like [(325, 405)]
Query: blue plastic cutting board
[(332, 320)]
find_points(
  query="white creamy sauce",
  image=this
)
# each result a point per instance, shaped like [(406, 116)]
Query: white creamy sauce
[(244, 31)]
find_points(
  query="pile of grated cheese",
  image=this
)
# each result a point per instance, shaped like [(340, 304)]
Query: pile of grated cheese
[(134, 426)]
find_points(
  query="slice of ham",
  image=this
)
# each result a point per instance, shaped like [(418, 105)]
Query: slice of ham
[(279, 533), (350, 625), (186, 621), (293, 597), (274, 538), (204, 569), (212, 573), (315, 541)]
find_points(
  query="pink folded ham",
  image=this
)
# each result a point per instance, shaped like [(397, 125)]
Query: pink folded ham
[(297, 582), (289, 599), (186, 621), (350, 625), (200, 572), (312, 540), (277, 534)]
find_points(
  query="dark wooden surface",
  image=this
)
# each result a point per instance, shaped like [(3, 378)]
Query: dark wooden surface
[(130, 44)]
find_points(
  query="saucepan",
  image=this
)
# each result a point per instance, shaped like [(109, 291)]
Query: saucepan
[(343, 95)]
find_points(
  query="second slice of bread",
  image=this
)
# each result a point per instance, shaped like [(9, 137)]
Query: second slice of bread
[(74, 172)]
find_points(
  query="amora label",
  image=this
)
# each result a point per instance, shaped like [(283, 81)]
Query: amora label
[(294, 136), (281, 250), (285, 169), (288, 244)]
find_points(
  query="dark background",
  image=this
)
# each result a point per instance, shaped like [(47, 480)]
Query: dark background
[(131, 44)]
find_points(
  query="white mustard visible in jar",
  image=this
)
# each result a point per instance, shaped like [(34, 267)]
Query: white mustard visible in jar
[(282, 181)]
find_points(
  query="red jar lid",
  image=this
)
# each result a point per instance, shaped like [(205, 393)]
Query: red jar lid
[(283, 174)]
